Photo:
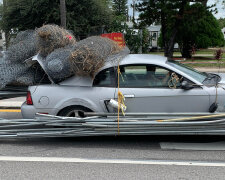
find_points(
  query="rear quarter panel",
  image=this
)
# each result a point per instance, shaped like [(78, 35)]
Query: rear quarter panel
[(60, 96)]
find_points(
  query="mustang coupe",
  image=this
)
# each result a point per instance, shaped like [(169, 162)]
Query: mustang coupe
[(149, 83)]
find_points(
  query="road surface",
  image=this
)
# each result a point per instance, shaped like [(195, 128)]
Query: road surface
[(134, 157)]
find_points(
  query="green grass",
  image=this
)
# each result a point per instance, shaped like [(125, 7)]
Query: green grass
[(217, 65), (203, 60), (207, 56), (209, 52)]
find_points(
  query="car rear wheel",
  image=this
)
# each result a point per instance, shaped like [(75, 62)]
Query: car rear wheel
[(74, 111)]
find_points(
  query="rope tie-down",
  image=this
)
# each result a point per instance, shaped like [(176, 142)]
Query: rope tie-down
[(121, 100)]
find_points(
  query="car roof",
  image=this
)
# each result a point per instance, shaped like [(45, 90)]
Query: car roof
[(129, 59), (139, 59)]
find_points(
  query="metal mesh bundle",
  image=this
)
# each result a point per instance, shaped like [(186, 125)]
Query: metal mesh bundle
[(24, 47), (24, 80), (29, 35), (10, 72), (57, 64), (21, 51), (61, 56), (89, 55), (115, 58), (19, 74), (13, 69), (51, 37)]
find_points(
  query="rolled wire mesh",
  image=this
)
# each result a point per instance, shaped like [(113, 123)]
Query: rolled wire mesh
[(89, 55), (32, 76), (51, 37), (13, 69), (115, 59), (10, 72), (62, 56), (83, 58), (26, 44), (24, 47), (57, 64), (29, 35), (25, 79)]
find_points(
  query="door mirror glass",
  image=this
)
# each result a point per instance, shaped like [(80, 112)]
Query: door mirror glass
[(186, 85)]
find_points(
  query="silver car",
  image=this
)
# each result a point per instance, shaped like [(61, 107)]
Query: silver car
[(149, 83)]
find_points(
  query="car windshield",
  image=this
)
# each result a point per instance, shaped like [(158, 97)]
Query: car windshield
[(199, 76)]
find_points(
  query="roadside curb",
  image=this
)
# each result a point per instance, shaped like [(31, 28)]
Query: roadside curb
[(10, 107)]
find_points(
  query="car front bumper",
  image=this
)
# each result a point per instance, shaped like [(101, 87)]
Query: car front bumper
[(29, 111)]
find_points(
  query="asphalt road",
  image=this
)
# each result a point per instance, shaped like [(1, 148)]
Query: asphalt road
[(134, 157)]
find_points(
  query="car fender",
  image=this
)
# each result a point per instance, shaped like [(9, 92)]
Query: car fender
[(78, 102)]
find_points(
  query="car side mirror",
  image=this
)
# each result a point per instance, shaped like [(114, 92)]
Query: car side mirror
[(186, 85)]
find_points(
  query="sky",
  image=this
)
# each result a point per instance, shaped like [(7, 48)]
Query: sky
[(220, 14), (220, 7)]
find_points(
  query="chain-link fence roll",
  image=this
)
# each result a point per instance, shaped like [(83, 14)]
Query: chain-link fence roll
[(51, 37), (89, 55)]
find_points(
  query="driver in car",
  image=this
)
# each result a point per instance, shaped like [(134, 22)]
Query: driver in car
[(154, 81)]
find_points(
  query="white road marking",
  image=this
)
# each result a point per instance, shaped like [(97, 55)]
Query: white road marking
[(112, 161), (11, 103), (211, 146)]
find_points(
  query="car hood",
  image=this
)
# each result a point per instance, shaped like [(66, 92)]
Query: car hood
[(222, 76)]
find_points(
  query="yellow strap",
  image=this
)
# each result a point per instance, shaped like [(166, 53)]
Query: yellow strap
[(120, 99), (193, 118)]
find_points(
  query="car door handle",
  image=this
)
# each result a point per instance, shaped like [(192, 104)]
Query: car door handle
[(129, 95)]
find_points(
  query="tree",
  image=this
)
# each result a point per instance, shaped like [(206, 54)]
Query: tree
[(134, 39), (200, 30), (63, 13), (170, 14), (120, 7), (84, 17)]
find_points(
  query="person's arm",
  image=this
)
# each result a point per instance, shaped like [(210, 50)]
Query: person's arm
[(166, 79)]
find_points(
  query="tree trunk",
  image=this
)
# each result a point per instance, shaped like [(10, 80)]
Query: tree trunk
[(169, 45), (186, 50), (204, 3), (163, 28), (63, 13), (7, 39)]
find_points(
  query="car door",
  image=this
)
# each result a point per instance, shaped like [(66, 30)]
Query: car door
[(145, 93), (104, 88)]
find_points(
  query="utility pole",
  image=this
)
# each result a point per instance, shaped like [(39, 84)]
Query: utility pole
[(7, 34), (63, 13), (133, 11)]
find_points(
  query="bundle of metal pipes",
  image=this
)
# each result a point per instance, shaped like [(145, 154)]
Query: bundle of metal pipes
[(107, 125)]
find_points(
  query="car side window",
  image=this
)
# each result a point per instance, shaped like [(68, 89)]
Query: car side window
[(105, 78), (148, 76), (160, 77), (133, 76)]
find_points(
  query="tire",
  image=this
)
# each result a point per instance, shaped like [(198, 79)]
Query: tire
[(74, 111)]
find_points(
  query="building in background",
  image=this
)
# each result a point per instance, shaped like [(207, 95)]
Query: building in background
[(154, 32)]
